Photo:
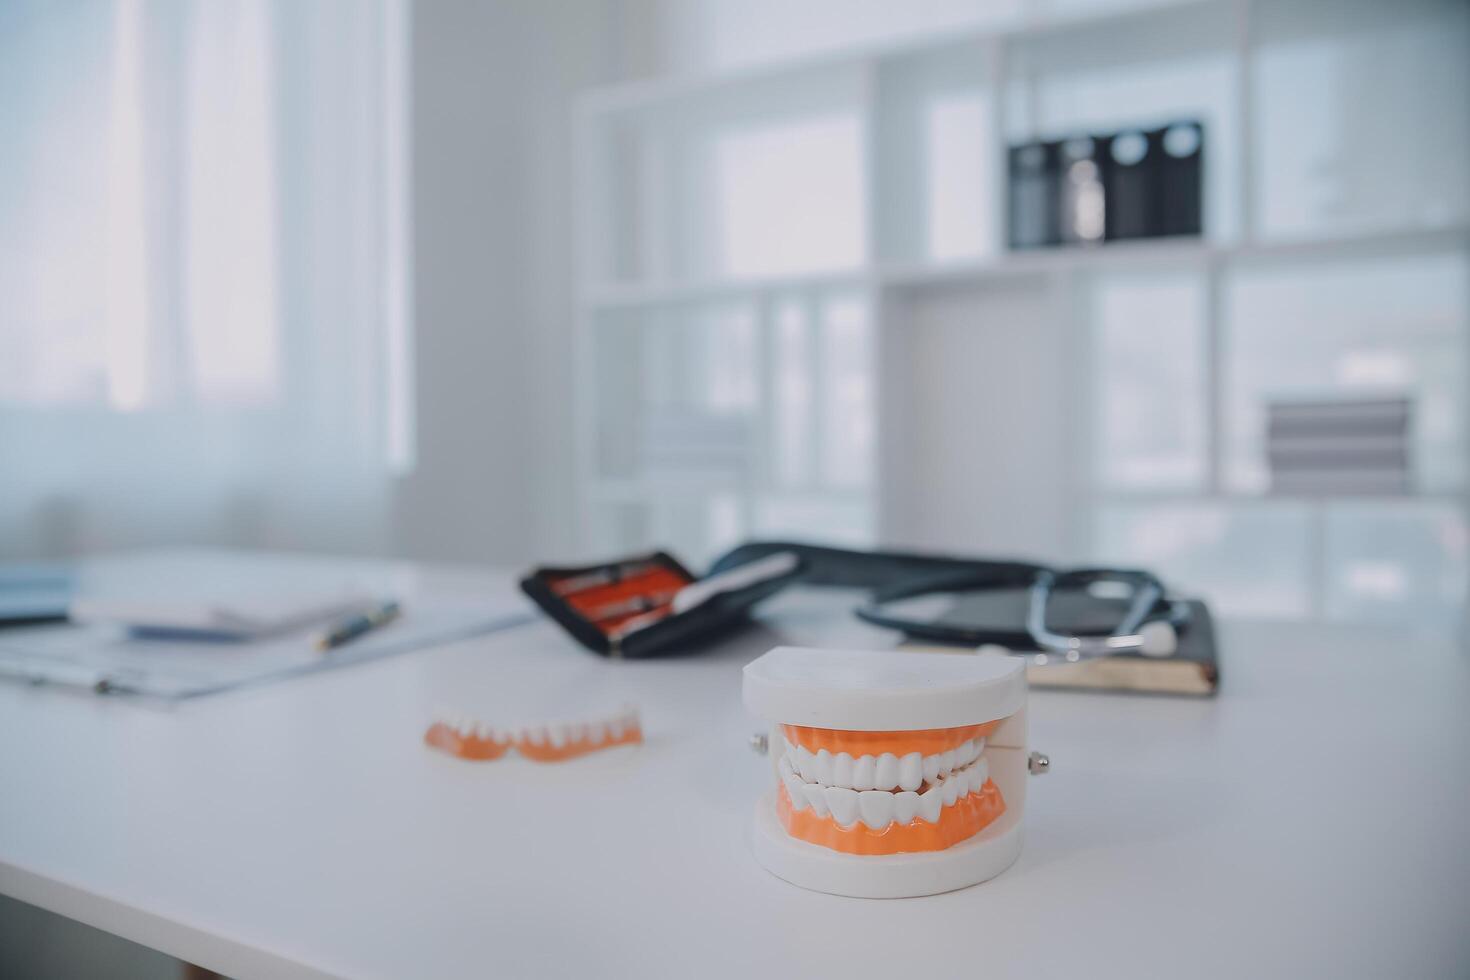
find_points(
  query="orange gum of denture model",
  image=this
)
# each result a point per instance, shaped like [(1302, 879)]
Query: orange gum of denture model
[(925, 741), (966, 818)]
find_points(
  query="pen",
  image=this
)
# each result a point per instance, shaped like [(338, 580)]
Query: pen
[(634, 604), (602, 576), (350, 629)]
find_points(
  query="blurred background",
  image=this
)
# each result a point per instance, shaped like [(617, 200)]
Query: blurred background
[(1177, 283)]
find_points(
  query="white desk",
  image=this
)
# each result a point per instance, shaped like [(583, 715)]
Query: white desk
[(1311, 821)]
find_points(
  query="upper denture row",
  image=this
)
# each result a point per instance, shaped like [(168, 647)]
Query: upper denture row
[(885, 771)]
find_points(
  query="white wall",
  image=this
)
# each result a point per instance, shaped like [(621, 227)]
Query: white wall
[(979, 458), (494, 88), (694, 36), (703, 35)]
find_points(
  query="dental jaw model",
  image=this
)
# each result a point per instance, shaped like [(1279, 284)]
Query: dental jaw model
[(898, 773)]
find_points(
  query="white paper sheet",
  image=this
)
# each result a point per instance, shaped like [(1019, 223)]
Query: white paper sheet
[(109, 659)]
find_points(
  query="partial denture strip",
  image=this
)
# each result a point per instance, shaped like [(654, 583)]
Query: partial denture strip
[(556, 743), (468, 739)]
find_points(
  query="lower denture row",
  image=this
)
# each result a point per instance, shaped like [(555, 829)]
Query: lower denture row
[(878, 808)]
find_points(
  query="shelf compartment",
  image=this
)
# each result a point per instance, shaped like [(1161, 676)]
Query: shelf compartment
[(687, 194), (1251, 559), (1324, 328), (1185, 65), (938, 156), (1360, 118)]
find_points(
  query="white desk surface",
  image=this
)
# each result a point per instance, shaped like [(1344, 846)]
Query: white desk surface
[(1311, 821)]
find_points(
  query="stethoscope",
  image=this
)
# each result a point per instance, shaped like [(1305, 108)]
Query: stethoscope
[(1150, 626)]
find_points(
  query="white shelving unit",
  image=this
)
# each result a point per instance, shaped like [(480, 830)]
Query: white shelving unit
[(799, 316)]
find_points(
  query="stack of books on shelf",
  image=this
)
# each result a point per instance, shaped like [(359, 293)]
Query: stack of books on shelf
[(1346, 446)]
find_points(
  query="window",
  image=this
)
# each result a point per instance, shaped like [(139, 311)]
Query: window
[(203, 268)]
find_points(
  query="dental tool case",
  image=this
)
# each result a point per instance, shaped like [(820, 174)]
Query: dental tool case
[(896, 773), (650, 604)]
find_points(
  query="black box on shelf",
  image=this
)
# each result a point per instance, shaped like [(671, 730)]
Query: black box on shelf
[(1032, 218), (1081, 190), (1137, 183), (1132, 174), (1180, 151)]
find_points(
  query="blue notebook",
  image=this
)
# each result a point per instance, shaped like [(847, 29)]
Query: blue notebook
[(34, 593)]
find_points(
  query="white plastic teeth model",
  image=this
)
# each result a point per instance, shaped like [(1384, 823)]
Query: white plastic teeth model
[(897, 773)]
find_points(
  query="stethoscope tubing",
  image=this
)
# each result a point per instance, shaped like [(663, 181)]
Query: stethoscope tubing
[(1149, 603)]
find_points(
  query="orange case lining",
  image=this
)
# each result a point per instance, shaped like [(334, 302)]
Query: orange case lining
[(653, 583)]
